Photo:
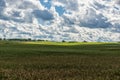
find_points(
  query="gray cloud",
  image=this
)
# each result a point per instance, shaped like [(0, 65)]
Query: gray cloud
[(95, 21), (2, 3), (118, 2), (90, 19), (43, 14)]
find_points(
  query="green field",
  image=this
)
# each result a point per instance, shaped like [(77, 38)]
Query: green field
[(59, 61)]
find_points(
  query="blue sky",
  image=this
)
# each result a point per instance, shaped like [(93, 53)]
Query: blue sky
[(48, 5)]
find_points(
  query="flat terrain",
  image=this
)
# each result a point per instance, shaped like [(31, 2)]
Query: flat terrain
[(59, 61)]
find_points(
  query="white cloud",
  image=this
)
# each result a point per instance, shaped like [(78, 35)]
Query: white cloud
[(45, 1), (88, 20)]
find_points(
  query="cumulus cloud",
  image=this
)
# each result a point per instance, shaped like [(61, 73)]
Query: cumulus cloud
[(24, 11), (68, 4), (91, 20), (84, 15)]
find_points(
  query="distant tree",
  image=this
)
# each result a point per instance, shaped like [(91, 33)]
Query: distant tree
[(63, 41), (84, 41), (29, 39), (4, 38)]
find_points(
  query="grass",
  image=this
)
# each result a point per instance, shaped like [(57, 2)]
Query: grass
[(59, 61)]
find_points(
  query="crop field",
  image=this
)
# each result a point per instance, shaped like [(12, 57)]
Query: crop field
[(59, 60)]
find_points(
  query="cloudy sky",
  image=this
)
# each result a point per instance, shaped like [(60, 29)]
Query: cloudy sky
[(57, 20)]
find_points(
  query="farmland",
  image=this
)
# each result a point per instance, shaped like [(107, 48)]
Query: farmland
[(44, 60)]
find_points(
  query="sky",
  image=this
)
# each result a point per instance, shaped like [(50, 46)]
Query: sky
[(57, 20), (47, 4)]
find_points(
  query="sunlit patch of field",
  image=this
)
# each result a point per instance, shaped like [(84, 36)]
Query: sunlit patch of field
[(67, 43), (59, 61)]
